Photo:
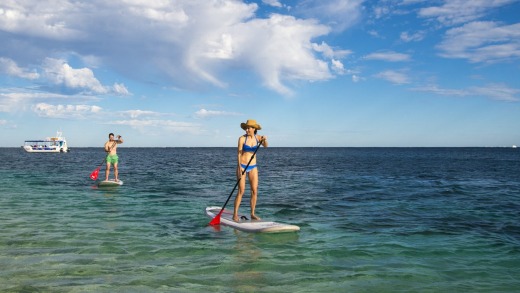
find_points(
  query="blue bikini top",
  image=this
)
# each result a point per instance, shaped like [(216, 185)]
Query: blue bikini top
[(249, 149)]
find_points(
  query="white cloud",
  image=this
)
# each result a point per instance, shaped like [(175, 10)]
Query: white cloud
[(15, 99), (61, 73), (498, 92), (274, 3), (381, 10), (329, 52), (138, 113), (190, 43), (454, 12), (412, 37), (338, 67), (482, 42), (393, 77), (120, 89), (11, 68), (50, 21), (388, 56), (339, 14), (203, 113), (65, 111), (152, 125), (441, 91), (279, 48)]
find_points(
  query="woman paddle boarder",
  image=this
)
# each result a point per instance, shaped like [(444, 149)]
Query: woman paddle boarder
[(247, 145)]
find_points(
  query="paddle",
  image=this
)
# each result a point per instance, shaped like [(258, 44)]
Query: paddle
[(95, 174), (216, 219)]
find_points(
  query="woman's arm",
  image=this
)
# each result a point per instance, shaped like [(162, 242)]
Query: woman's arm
[(240, 145)]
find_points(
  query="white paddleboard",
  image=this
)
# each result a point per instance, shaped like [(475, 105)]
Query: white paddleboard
[(226, 218), (111, 182)]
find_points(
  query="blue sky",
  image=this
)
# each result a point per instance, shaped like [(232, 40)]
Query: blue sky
[(186, 73)]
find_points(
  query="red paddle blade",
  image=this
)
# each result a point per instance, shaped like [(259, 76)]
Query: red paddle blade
[(94, 175), (215, 220)]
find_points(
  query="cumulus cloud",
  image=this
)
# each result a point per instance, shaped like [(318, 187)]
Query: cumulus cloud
[(282, 50), (189, 43), (18, 18), (61, 73), (65, 111)]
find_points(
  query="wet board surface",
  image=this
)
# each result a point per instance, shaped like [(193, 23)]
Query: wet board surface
[(249, 225), (111, 182)]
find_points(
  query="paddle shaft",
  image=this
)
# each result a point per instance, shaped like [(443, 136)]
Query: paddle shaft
[(238, 181)]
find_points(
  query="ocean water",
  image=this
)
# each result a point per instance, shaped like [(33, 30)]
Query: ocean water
[(372, 220)]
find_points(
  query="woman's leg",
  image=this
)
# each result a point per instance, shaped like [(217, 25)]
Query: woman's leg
[(253, 182), (241, 189)]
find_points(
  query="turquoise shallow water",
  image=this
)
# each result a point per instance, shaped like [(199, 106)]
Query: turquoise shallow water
[(372, 220)]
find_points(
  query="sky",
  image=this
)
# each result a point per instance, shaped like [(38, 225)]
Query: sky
[(312, 73)]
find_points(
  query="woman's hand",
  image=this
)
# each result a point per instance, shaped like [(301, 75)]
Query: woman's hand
[(263, 140)]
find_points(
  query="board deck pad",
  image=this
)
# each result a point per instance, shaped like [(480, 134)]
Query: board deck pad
[(253, 226), (110, 182)]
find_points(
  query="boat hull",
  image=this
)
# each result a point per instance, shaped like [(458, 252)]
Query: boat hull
[(30, 149)]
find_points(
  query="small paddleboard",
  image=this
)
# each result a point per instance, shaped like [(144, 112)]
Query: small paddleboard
[(109, 183), (226, 218)]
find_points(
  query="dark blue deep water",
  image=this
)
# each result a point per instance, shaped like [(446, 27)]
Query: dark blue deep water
[(372, 220)]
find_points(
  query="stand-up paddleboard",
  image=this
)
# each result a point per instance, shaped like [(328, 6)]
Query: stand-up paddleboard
[(110, 183), (226, 218)]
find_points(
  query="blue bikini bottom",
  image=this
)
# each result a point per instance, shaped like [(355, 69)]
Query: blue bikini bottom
[(249, 168)]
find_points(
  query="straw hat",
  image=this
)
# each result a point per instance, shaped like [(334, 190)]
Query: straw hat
[(251, 123)]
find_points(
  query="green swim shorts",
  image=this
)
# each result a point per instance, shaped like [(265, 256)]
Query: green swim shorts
[(112, 159)]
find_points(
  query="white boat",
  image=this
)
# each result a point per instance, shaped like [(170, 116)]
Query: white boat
[(514, 146), (55, 144)]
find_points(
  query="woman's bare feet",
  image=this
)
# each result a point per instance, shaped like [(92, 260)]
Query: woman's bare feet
[(235, 218), (255, 217)]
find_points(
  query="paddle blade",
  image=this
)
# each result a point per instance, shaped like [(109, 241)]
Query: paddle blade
[(216, 220), (94, 175)]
